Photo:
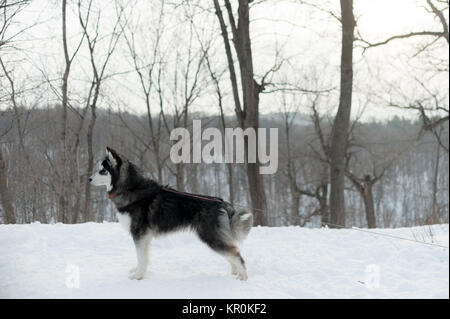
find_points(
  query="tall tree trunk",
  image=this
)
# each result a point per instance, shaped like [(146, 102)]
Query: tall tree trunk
[(250, 94), (295, 194), (248, 117), (369, 206), (8, 209), (342, 120), (90, 167), (63, 196), (89, 139)]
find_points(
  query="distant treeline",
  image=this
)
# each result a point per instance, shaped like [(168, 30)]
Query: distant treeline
[(391, 168)]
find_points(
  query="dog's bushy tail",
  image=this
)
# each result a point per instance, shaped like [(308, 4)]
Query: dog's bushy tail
[(241, 224)]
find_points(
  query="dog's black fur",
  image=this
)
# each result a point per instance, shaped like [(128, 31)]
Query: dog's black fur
[(159, 210)]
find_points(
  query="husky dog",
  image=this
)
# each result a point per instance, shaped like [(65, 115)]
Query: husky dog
[(147, 209)]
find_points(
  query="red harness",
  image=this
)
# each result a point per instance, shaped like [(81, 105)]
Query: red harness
[(190, 195), (113, 195)]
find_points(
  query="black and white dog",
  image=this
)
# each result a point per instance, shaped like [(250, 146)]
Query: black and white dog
[(147, 209)]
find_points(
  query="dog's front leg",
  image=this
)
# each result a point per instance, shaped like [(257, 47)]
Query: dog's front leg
[(142, 244)]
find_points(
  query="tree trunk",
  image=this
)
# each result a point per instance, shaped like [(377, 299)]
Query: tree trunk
[(369, 206), (8, 209), (295, 194), (41, 206), (295, 207), (434, 207), (342, 120), (63, 196), (158, 165), (180, 176), (230, 183), (250, 90), (257, 195), (87, 191), (323, 193), (194, 178), (248, 117), (323, 204), (75, 183)]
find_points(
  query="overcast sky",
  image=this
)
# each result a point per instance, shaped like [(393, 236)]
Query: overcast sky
[(307, 38)]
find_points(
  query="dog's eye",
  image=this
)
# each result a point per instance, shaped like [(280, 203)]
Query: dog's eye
[(102, 172)]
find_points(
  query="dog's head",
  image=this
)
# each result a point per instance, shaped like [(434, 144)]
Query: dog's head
[(108, 171)]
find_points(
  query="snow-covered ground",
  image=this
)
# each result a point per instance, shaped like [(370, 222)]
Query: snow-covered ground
[(92, 261)]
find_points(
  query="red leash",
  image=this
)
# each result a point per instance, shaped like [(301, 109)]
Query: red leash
[(190, 195), (112, 195)]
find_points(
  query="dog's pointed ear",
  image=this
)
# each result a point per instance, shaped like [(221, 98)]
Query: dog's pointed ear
[(113, 156)]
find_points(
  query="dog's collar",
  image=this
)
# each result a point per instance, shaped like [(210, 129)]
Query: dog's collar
[(113, 195)]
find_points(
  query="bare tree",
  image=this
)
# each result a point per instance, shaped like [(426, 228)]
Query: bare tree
[(21, 132), (435, 211), (64, 194), (364, 186), (307, 164), (433, 110), (248, 114), (219, 94), (98, 76), (216, 78), (8, 11), (288, 116), (342, 120), (434, 9), (147, 72)]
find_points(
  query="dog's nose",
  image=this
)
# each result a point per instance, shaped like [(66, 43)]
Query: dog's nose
[(90, 179)]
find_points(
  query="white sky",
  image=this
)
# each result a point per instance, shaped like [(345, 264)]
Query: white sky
[(310, 39)]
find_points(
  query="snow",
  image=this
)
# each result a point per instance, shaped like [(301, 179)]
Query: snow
[(92, 261)]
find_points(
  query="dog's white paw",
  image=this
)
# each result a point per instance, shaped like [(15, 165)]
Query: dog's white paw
[(132, 270), (242, 276), (138, 275)]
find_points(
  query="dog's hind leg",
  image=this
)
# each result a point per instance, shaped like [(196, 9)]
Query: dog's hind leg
[(142, 244), (220, 239), (234, 257), (233, 268), (231, 252)]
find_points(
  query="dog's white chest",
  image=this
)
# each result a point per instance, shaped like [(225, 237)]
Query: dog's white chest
[(124, 220)]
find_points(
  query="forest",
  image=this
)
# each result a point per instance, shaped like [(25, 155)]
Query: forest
[(361, 106)]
